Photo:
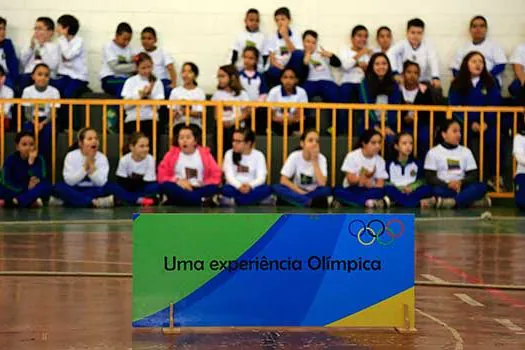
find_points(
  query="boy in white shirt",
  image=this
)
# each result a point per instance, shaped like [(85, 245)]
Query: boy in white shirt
[(415, 49), (72, 67), (251, 37), (41, 49), (284, 47), (320, 80), (163, 63), (117, 61), (494, 54)]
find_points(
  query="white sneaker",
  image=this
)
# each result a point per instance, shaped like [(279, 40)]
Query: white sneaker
[(105, 202), (271, 200), (445, 203), (483, 203), (227, 201), (37, 203), (387, 201), (55, 202)]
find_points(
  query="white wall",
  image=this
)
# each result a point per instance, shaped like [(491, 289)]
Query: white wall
[(203, 30)]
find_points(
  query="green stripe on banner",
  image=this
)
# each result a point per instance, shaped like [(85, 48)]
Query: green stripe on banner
[(157, 292)]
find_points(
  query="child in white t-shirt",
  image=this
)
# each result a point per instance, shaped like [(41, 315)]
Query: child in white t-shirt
[(407, 187), (518, 63), (365, 173), (304, 175), (163, 63), (189, 91), (284, 47), (73, 66), (136, 176), (250, 37), (452, 170), (288, 91), (118, 61), (142, 86), (229, 88), (40, 90), (41, 49), (245, 171)]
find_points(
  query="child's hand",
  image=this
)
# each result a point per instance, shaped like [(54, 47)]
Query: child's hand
[(406, 190), (33, 181), (284, 32), (245, 188), (371, 173), (173, 84), (32, 156), (399, 79), (185, 184), (436, 83), (409, 118), (307, 57), (325, 53), (455, 185), (228, 124), (314, 154)]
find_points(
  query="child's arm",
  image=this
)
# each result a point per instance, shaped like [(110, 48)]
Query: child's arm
[(74, 171), (173, 75), (347, 60), (287, 40), (229, 173), (99, 176), (70, 49), (274, 62), (519, 70), (9, 176), (434, 66), (25, 56), (320, 169), (52, 57), (261, 173), (11, 59), (235, 57)]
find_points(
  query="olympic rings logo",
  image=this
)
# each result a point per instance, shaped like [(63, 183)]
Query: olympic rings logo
[(376, 230)]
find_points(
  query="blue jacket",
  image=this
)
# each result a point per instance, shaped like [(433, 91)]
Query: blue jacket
[(480, 96), (393, 98), (11, 59), (17, 172)]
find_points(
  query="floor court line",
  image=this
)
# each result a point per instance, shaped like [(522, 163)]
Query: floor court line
[(432, 278), (468, 300), (455, 334), (511, 326), (69, 261)]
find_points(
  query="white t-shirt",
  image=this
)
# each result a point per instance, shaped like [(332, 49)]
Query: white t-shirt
[(409, 95), (7, 92), (113, 52), (494, 54), (251, 83), (425, 55), (48, 53), (277, 94), (230, 112), (75, 174), (352, 73), (129, 168), (249, 39), (403, 176), (180, 93), (518, 56), (301, 171), (450, 164), (319, 68), (130, 91), (73, 58), (161, 59), (518, 150), (190, 167), (251, 169), (278, 46), (356, 163), (44, 109)]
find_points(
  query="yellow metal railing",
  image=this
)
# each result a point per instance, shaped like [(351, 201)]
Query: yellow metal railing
[(352, 110)]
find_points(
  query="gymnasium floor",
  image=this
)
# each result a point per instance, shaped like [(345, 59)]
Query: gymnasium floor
[(65, 284)]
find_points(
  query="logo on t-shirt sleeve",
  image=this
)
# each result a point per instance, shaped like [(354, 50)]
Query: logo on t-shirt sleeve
[(191, 173), (453, 164), (243, 169)]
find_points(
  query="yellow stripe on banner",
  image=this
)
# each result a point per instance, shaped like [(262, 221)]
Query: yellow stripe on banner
[(385, 314)]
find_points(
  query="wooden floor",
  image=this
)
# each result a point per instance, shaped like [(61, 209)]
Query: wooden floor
[(46, 302)]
